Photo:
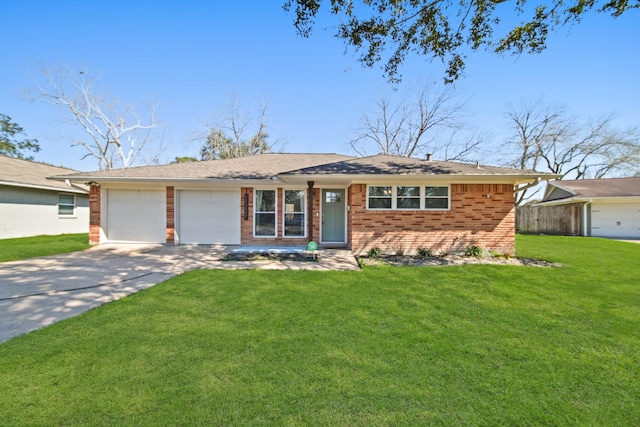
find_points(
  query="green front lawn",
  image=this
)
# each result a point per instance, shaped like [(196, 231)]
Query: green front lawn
[(32, 247), (466, 345)]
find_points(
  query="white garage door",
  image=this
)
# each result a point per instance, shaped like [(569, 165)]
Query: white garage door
[(615, 219), (136, 216), (209, 217)]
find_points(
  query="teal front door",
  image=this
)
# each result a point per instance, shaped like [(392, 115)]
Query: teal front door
[(333, 216)]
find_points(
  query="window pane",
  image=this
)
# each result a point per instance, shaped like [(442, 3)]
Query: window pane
[(437, 203), (294, 225), (294, 200), (266, 200), (437, 191), (66, 199), (408, 191), (65, 210), (265, 224), (333, 197), (405, 203), (381, 203), (380, 191)]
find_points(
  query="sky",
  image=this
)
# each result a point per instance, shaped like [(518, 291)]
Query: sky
[(192, 57)]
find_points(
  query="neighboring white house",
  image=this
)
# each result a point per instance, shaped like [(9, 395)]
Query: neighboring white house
[(32, 205), (610, 207)]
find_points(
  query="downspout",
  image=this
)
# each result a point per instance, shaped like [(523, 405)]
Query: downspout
[(310, 209)]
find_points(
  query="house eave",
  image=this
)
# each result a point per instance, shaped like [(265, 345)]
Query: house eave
[(347, 179), (45, 187), (572, 200), (177, 181)]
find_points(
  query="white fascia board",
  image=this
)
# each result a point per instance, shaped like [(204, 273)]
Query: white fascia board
[(559, 202), (570, 200), (45, 187), (392, 179)]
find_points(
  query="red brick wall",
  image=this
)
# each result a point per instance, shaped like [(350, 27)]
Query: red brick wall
[(94, 215), (474, 219), (246, 226), (171, 228)]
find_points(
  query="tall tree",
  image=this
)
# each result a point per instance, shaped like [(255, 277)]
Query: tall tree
[(228, 138), (445, 30), (550, 139), (429, 121), (12, 147), (116, 135)]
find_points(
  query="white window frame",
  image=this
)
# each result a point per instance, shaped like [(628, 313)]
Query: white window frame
[(394, 198), (448, 197), (378, 197), (67, 215), (275, 213), (304, 213)]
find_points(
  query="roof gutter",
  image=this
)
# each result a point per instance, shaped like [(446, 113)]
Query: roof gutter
[(535, 182)]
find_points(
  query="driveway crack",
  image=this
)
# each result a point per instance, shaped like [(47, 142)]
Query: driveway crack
[(78, 288)]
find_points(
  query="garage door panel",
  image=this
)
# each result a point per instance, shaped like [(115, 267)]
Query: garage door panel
[(615, 220), (209, 217), (136, 216)]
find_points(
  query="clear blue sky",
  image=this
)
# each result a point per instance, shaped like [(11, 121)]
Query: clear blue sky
[(192, 56)]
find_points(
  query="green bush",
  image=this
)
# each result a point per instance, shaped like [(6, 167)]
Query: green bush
[(374, 252), (475, 251), (424, 252)]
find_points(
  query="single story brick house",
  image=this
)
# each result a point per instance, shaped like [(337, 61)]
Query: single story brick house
[(290, 199), (610, 207), (32, 205)]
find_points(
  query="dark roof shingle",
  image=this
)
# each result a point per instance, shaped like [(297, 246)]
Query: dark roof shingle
[(25, 173), (605, 187)]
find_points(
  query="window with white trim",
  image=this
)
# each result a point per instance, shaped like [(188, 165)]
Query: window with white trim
[(408, 197), (264, 207), (379, 197), (436, 198), (66, 204), (294, 213)]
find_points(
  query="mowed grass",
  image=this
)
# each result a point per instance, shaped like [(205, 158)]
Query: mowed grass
[(467, 345), (32, 247)]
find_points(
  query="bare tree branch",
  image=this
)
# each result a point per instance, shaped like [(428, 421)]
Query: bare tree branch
[(117, 136), (227, 138), (550, 140), (413, 127)]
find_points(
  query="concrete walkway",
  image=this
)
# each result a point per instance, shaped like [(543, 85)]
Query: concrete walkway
[(38, 292)]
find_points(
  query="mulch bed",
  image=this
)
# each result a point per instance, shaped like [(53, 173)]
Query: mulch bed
[(407, 260)]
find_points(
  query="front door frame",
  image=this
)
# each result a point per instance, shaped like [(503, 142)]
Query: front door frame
[(322, 201)]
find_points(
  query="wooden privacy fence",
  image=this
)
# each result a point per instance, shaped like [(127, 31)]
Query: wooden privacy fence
[(563, 220)]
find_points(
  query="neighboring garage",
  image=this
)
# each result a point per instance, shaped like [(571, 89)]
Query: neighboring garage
[(136, 216), (610, 206), (208, 217), (615, 220)]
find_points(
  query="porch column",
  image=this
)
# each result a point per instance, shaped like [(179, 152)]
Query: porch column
[(310, 209)]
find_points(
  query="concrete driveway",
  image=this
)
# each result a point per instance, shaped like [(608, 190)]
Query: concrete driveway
[(38, 292)]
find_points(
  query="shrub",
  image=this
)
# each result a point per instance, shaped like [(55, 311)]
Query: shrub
[(399, 251), (475, 251), (424, 252), (374, 252)]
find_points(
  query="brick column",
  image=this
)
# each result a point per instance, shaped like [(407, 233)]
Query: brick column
[(94, 214), (171, 212)]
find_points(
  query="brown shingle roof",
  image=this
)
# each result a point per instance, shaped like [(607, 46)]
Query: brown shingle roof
[(394, 165), (25, 173), (606, 187), (262, 166), (267, 166)]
